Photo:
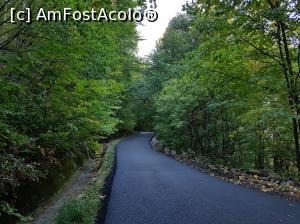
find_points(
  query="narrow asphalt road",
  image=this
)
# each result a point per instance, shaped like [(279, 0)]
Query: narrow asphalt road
[(150, 188)]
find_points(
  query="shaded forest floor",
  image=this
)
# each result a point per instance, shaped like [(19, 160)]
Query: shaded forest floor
[(258, 180), (76, 185)]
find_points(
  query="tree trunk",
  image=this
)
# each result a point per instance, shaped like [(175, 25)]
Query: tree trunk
[(260, 153), (291, 84), (296, 139)]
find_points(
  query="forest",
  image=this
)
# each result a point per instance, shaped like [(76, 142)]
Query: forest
[(63, 86), (222, 84)]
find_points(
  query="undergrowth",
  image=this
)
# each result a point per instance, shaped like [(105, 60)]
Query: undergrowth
[(83, 209)]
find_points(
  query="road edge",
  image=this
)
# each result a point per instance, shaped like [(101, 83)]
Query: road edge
[(107, 188)]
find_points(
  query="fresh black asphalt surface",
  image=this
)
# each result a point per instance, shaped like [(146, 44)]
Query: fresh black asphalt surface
[(151, 188)]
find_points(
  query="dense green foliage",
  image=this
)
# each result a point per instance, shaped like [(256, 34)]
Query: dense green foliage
[(223, 83), (63, 85)]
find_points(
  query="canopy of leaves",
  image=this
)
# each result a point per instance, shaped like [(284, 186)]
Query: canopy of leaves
[(63, 87), (220, 84)]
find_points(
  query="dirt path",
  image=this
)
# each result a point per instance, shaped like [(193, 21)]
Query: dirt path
[(84, 176)]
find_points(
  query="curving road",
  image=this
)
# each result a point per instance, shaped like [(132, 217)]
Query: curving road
[(150, 188)]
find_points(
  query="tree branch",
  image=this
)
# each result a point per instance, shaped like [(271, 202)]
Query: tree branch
[(261, 51)]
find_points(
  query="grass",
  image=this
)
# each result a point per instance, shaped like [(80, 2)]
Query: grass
[(84, 208)]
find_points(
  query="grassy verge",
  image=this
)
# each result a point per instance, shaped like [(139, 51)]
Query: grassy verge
[(84, 208)]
